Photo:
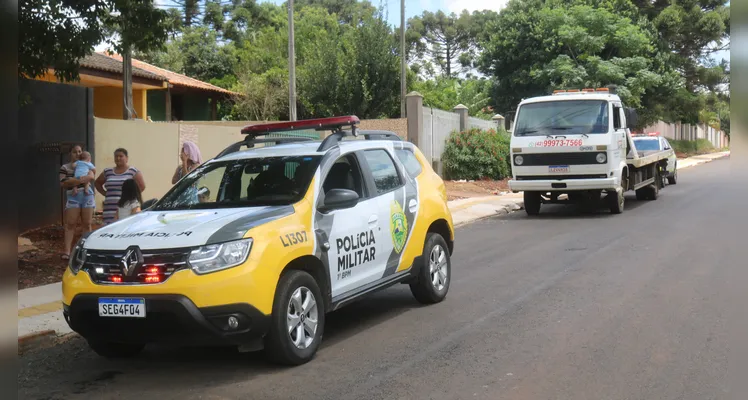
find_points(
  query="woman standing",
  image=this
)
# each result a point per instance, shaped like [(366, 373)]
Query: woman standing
[(77, 207), (109, 183), (191, 158)]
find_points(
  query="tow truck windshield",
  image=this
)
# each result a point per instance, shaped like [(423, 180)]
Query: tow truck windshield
[(242, 183), (568, 117)]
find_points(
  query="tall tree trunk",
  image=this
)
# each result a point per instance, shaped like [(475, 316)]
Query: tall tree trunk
[(127, 108)]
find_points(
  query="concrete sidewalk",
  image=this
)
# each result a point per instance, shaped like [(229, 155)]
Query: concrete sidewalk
[(40, 308), (697, 160)]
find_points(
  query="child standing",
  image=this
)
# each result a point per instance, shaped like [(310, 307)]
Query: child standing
[(130, 201), (82, 168)]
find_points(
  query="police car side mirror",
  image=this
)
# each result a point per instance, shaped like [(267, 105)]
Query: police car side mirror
[(337, 199)]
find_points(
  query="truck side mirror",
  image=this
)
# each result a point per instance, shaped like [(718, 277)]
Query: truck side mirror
[(632, 118)]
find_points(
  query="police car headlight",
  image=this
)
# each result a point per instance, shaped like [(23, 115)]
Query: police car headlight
[(601, 158), (77, 256), (518, 160), (217, 257)]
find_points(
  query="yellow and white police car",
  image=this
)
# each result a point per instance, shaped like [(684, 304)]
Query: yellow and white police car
[(254, 247)]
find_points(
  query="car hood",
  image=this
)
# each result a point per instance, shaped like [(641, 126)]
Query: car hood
[(187, 228)]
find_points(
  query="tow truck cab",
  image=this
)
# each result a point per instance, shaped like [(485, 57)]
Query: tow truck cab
[(573, 142)]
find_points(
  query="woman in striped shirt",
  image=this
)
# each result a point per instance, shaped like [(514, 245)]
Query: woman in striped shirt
[(109, 183)]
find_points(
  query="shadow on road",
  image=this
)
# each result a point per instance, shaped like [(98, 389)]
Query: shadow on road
[(71, 368), (579, 211)]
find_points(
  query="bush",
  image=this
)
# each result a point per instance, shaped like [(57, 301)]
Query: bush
[(692, 147), (477, 154)]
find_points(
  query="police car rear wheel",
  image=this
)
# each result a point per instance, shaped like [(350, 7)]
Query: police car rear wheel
[(115, 350), (298, 320), (435, 273), (673, 179)]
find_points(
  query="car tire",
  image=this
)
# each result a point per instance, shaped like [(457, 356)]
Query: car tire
[(116, 350), (532, 203), (294, 295), (673, 178), (435, 273), (616, 201)]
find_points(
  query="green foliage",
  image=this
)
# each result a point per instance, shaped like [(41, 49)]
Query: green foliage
[(58, 34), (535, 51), (446, 93), (477, 154), (692, 147)]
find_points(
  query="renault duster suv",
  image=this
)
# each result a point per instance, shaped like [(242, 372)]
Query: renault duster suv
[(254, 247)]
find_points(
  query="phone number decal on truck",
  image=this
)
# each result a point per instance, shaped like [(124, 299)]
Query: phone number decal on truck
[(557, 143)]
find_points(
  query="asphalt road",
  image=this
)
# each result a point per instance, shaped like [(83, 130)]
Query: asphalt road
[(567, 305)]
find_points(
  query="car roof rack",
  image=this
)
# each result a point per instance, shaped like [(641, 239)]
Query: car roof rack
[(250, 142), (379, 135)]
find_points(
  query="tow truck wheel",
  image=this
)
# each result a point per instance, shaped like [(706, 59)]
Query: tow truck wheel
[(532, 203), (435, 273), (115, 350), (298, 320), (616, 201)]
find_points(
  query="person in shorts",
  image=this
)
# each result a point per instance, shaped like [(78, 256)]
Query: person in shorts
[(78, 207)]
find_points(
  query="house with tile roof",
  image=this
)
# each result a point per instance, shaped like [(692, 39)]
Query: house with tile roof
[(158, 94)]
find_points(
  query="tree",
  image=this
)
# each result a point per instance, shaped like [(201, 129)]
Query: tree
[(535, 47), (691, 29), (444, 42), (59, 33)]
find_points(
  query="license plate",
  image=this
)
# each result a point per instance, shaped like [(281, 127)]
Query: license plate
[(121, 307), (558, 168)]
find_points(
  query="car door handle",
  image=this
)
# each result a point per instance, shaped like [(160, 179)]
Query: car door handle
[(412, 205), (373, 219)]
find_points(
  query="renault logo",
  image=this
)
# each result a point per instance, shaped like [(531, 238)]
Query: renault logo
[(130, 261)]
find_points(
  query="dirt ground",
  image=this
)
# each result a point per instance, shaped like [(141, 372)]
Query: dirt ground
[(464, 189), (41, 262)]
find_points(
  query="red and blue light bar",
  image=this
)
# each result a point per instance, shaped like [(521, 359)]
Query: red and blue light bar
[(316, 124)]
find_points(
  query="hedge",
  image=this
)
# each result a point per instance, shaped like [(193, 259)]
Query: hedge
[(477, 154)]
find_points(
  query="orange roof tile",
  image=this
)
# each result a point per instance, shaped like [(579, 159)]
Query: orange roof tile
[(173, 77)]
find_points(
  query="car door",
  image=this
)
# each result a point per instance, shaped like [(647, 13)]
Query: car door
[(397, 195), (354, 234)]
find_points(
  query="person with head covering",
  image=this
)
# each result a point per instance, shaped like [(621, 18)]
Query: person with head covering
[(191, 158)]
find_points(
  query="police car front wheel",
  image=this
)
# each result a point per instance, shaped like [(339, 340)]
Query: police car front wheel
[(435, 272), (298, 320)]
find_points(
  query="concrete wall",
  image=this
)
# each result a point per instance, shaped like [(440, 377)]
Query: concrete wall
[(154, 147), (678, 131), (429, 128)]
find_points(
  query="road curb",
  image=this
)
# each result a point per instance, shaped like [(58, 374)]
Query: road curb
[(503, 210)]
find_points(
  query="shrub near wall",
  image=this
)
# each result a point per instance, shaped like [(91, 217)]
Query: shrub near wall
[(692, 147), (477, 154)]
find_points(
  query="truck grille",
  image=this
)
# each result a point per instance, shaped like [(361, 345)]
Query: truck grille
[(580, 158), (107, 267)]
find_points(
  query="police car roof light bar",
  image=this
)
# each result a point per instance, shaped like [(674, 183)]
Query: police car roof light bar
[(333, 123)]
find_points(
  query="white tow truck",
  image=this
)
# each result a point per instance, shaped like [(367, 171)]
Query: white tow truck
[(578, 143)]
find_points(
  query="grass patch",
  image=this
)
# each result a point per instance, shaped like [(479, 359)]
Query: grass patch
[(688, 148)]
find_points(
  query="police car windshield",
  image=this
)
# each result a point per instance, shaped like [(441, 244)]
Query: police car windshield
[(647, 144), (242, 183), (567, 117)]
